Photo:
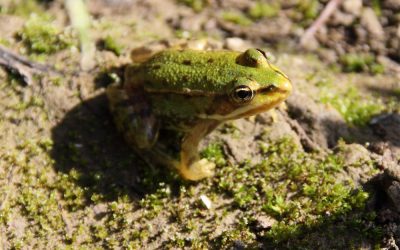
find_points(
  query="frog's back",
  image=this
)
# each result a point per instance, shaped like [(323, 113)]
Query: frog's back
[(177, 70)]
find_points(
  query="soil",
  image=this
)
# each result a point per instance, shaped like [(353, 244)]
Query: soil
[(68, 179)]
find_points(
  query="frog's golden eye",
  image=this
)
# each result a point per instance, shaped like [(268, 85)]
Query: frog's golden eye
[(242, 94)]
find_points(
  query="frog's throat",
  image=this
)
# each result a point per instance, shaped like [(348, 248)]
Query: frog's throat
[(242, 112)]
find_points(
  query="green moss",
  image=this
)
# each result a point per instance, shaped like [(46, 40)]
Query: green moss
[(214, 153), (196, 5), (154, 203), (40, 36), (361, 63), (377, 7), (111, 45), (236, 18), (5, 42), (22, 7), (239, 238), (354, 108), (296, 188), (261, 9), (396, 92), (309, 8)]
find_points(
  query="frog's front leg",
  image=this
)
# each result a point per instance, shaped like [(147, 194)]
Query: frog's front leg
[(191, 166)]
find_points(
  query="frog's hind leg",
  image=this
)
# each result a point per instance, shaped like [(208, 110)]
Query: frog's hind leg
[(133, 116)]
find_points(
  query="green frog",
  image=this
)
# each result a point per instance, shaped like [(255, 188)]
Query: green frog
[(190, 92)]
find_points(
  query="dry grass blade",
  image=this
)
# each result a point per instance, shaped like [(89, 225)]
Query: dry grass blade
[(323, 17)]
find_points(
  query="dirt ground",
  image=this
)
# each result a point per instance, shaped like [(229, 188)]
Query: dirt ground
[(322, 171)]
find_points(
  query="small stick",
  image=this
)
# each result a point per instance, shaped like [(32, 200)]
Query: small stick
[(23, 66), (323, 17)]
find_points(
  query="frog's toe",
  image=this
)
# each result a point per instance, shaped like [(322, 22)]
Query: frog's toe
[(199, 170)]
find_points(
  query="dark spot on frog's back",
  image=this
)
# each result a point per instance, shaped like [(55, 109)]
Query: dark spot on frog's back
[(157, 66), (185, 78), (187, 62)]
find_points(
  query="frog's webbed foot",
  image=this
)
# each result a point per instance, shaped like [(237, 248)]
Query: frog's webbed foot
[(197, 170)]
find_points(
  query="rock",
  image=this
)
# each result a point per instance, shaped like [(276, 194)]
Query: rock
[(238, 245), (353, 7), (387, 127), (236, 43), (341, 18), (370, 21), (328, 56), (311, 44), (206, 201), (323, 125), (393, 191), (398, 32), (354, 154), (392, 4), (263, 222)]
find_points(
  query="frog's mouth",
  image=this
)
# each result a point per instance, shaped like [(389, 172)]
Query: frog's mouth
[(246, 111), (265, 99)]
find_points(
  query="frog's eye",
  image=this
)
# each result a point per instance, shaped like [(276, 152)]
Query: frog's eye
[(252, 58), (242, 94)]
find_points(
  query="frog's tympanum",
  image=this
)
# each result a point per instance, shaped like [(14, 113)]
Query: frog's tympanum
[(190, 92)]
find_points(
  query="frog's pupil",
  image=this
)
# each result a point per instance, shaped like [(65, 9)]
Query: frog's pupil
[(242, 94)]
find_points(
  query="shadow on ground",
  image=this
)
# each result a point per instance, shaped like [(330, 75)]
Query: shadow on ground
[(86, 141)]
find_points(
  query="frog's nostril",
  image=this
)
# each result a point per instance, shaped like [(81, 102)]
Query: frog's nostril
[(286, 86)]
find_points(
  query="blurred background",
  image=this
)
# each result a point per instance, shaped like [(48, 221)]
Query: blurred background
[(358, 35)]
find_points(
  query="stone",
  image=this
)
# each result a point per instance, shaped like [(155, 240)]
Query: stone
[(353, 7), (370, 21), (393, 191), (354, 154), (264, 222)]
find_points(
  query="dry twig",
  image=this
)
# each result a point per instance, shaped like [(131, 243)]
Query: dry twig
[(322, 18), (23, 66)]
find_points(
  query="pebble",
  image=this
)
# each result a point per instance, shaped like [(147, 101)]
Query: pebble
[(392, 4), (394, 193), (354, 154), (370, 21), (353, 7), (235, 43), (398, 31), (264, 222), (206, 201)]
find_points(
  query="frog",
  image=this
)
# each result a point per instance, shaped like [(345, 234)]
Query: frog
[(188, 93)]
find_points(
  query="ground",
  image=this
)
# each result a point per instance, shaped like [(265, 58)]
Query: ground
[(320, 172)]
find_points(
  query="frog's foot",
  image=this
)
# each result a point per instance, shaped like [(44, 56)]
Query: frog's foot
[(198, 170)]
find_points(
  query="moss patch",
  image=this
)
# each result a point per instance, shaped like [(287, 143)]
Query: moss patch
[(355, 108), (361, 63), (261, 9), (40, 36), (196, 5), (236, 18)]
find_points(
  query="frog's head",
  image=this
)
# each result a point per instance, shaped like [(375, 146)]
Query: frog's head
[(259, 88)]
